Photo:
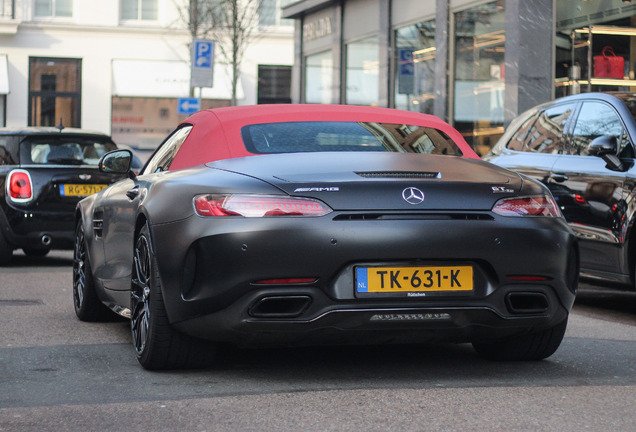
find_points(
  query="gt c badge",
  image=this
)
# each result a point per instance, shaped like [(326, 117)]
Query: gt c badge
[(413, 195), (501, 189)]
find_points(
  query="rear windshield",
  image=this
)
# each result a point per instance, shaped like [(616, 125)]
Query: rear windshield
[(319, 136), (64, 150)]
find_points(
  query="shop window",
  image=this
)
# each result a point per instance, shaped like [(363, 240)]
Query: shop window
[(139, 10), (415, 67), (479, 74), (319, 78), (142, 123), (53, 8), (274, 84), (363, 72), (54, 92)]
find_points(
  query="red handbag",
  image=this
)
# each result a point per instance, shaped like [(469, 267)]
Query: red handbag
[(609, 65)]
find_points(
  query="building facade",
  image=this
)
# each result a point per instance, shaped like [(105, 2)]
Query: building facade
[(120, 66), (476, 64)]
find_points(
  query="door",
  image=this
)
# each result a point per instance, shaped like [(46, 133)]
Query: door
[(592, 195)]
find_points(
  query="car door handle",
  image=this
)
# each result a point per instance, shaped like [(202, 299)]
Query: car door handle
[(559, 177), (132, 193)]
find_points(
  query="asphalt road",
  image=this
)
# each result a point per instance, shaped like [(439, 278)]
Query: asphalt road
[(59, 374)]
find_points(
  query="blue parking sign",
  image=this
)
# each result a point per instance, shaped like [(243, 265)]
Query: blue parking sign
[(202, 61), (203, 53)]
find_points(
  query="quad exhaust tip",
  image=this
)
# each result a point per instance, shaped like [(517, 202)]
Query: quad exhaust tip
[(289, 306), (527, 302)]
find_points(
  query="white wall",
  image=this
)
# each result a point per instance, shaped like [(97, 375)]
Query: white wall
[(96, 36)]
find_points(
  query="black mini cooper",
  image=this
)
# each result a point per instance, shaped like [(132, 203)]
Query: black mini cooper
[(44, 172)]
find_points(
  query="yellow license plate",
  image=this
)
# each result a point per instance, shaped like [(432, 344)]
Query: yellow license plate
[(414, 279), (80, 189)]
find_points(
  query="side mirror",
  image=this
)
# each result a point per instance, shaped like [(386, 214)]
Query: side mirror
[(606, 147), (603, 145), (117, 162)]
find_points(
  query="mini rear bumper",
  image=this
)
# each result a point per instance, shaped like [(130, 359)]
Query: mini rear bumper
[(38, 229)]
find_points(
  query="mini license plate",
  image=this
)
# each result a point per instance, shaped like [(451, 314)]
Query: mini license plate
[(80, 189), (414, 279)]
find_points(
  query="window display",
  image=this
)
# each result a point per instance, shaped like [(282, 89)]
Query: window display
[(415, 67)]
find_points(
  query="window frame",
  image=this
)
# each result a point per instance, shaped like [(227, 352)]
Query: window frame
[(139, 9), (162, 158), (575, 122), (75, 96)]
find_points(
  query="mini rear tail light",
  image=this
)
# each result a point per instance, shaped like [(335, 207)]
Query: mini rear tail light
[(541, 205), (258, 206), (19, 186)]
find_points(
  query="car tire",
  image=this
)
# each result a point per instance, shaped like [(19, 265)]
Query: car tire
[(157, 344), (87, 305), (533, 346), (6, 251), (35, 253)]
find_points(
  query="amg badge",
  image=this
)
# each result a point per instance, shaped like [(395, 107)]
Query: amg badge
[(317, 189)]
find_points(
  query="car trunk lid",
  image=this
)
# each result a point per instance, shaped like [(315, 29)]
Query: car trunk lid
[(382, 181)]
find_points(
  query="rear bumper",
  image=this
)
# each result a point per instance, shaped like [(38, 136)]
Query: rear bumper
[(38, 229), (209, 272), (326, 322)]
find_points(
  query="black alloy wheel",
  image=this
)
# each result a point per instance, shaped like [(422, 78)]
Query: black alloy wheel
[(140, 295), (87, 305), (157, 344)]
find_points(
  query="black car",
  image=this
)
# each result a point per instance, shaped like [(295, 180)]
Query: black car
[(582, 148), (313, 224), (44, 173)]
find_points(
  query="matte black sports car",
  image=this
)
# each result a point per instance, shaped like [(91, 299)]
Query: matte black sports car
[(308, 224)]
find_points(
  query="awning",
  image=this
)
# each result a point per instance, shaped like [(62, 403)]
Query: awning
[(154, 78), (4, 75)]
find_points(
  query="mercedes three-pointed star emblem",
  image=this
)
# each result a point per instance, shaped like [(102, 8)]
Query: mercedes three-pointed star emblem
[(413, 195)]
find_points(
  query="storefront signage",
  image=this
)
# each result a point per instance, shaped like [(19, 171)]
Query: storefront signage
[(317, 29)]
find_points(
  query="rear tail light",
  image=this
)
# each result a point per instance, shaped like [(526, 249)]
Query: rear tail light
[(541, 205), (258, 206), (19, 186)]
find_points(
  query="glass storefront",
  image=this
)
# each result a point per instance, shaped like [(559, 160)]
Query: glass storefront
[(415, 67), (479, 74), (363, 72), (319, 77), (595, 47)]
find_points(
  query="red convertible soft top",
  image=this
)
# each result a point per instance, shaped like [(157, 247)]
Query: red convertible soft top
[(216, 133)]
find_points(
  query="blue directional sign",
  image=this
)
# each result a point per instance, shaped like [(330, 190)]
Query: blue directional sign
[(187, 106), (202, 60)]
